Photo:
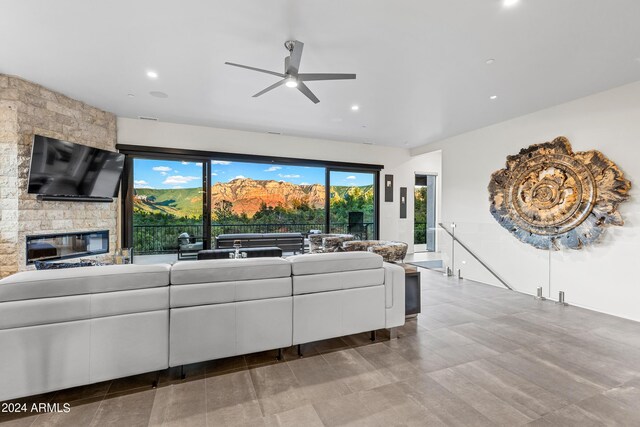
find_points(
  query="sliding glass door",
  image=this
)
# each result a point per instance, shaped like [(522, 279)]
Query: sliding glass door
[(266, 198), (168, 207), (175, 202), (352, 203)]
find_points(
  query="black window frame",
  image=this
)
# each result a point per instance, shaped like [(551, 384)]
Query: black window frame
[(132, 152)]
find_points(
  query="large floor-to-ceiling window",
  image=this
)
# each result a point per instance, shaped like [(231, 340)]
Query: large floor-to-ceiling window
[(168, 208), (249, 197), (352, 206), (179, 200)]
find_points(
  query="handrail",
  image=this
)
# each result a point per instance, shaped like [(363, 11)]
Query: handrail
[(455, 239)]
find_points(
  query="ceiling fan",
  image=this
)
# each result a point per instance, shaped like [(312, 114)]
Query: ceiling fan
[(291, 77)]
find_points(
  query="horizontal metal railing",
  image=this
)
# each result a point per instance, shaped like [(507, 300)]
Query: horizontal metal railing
[(159, 239)]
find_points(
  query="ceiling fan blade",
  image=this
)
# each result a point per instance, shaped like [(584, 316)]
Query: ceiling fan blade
[(256, 69), (293, 64), (311, 77), (307, 92), (273, 86)]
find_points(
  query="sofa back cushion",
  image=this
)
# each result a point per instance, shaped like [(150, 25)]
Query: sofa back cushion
[(80, 281), (228, 270), (227, 292), (302, 265)]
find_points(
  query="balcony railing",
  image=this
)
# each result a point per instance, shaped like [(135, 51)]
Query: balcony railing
[(159, 239)]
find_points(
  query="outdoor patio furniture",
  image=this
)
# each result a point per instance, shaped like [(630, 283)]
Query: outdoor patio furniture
[(357, 227), (288, 242), (188, 246)]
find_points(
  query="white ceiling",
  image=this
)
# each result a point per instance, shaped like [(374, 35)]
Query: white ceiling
[(421, 65)]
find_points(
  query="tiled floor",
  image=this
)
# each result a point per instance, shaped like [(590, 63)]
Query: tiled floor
[(476, 356)]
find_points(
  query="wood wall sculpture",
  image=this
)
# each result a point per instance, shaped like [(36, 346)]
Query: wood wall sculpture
[(552, 198)]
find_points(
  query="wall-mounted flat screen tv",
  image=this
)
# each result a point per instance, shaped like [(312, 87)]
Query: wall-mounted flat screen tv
[(61, 168)]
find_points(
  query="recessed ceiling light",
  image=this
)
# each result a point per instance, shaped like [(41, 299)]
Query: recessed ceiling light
[(492, 97), (510, 3), (158, 94), (355, 107), (152, 74), (490, 61)]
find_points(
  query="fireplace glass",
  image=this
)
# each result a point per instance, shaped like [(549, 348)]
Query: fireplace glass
[(52, 247)]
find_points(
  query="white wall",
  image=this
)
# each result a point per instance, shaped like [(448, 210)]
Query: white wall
[(397, 161), (603, 277)]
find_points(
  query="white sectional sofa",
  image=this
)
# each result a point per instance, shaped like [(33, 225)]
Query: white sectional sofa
[(64, 328)]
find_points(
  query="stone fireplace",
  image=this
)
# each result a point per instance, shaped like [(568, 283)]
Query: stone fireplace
[(27, 109)]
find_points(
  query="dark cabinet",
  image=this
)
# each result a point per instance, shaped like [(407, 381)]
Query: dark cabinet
[(412, 300)]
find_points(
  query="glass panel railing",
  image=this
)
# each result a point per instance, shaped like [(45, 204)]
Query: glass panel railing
[(486, 253)]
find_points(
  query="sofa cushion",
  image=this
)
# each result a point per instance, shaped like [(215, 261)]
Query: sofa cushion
[(313, 283), (228, 270), (333, 262), (79, 281), (42, 311), (240, 236), (226, 292)]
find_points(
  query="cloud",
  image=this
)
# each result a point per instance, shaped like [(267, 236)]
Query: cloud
[(214, 174), (177, 187), (351, 177), (185, 163), (199, 165), (288, 176), (178, 179), (220, 162), (164, 173), (237, 177), (273, 169), (141, 184), (304, 183), (161, 168)]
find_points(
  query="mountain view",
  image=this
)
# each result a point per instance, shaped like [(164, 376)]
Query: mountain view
[(245, 195)]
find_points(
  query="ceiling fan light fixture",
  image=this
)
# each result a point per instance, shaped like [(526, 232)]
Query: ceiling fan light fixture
[(291, 82), (291, 77)]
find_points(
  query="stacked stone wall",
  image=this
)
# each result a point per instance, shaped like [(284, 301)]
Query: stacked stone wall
[(28, 109)]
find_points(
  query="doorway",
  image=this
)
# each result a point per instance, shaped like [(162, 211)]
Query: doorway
[(424, 222)]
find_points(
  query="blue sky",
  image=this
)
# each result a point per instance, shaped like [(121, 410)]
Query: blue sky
[(176, 174)]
